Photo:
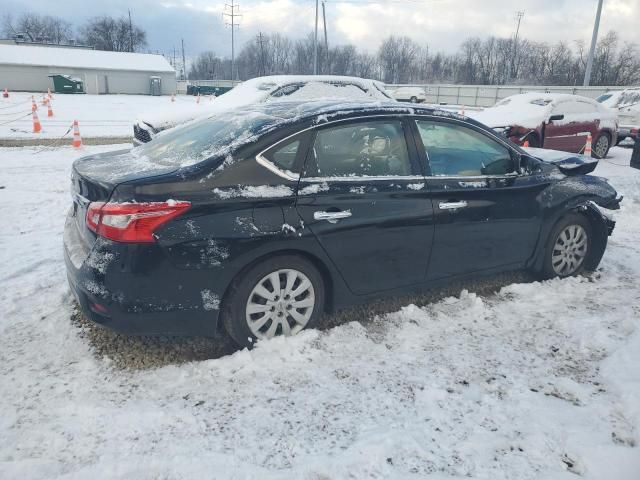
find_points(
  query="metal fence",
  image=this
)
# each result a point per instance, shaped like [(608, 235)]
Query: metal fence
[(488, 95), (469, 95)]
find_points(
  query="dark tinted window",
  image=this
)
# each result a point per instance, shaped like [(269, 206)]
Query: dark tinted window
[(456, 150), (361, 150), (284, 156)]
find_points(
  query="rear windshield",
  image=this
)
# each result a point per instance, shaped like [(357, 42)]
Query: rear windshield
[(197, 141)]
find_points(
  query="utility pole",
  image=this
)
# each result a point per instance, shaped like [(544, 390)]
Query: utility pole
[(261, 41), (326, 43), (231, 13), (512, 73), (184, 63), (315, 44), (130, 33), (594, 42)]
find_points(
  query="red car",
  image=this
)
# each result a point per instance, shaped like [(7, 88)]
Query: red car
[(553, 121)]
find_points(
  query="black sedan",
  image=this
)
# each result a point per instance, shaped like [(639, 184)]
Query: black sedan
[(262, 220)]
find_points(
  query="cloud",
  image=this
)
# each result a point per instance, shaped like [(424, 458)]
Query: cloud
[(441, 24)]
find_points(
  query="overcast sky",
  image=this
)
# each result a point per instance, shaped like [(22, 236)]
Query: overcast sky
[(442, 24)]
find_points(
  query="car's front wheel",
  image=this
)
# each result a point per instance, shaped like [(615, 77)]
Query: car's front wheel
[(413, 99), (569, 247), (279, 296)]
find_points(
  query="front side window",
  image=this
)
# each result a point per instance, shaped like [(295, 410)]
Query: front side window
[(456, 150), (368, 149)]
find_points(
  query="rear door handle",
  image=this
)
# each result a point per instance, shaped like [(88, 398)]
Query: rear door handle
[(452, 205), (331, 217)]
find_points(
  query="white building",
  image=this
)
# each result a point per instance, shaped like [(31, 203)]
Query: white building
[(27, 68)]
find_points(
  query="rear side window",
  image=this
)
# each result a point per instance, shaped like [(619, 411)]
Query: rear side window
[(573, 108), (368, 149), (456, 150), (284, 156)]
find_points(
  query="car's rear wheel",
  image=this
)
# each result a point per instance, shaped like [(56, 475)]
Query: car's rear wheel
[(279, 296), (601, 146), (569, 247)]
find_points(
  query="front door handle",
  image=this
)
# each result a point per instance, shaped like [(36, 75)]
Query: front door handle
[(332, 217), (452, 205)]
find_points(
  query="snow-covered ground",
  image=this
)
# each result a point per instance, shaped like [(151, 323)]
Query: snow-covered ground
[(538, 381), (98, 115)]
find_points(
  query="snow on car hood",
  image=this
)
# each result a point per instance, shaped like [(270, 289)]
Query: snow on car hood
[(569, 163)]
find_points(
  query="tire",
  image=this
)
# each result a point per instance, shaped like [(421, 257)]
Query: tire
[(575, 231), (413, 99), (601, 146), (254, 291)]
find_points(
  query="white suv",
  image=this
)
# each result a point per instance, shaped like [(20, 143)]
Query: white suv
[(627, 104)]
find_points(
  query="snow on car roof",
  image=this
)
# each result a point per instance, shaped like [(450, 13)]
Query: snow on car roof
[(527, 110), (257, 90), (82, 58)]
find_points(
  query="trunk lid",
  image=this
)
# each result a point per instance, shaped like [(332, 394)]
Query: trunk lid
[(94, 178)]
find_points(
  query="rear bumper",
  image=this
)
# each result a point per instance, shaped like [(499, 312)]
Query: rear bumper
[(163, 301)]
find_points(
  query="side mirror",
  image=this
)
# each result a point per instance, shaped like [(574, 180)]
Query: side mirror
[(554, 118)]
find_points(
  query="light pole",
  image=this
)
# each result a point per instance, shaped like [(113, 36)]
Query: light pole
[(315, 44), (594, 42)]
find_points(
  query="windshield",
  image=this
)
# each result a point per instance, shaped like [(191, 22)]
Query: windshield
[(603, 98)]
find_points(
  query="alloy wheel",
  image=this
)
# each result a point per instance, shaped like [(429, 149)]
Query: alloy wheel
[(602, 146), (570, 250), (281, 303)]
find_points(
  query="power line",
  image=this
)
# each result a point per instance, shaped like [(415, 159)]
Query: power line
[(261, 40), (184, 63), (230, 11), (519, 16)]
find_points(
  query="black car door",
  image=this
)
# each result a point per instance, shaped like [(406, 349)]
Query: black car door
[(487, 215), (364, 198)]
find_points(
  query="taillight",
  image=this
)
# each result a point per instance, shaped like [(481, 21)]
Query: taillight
[(131, 222)]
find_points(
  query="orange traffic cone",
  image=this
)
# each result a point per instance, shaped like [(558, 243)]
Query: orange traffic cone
[(49, 110), (173, 98), (34, 105), (77, 140), (36, 122), (44, 99), (526, 144), (462, 112), (587, 147), (5, 94), (49, 94)]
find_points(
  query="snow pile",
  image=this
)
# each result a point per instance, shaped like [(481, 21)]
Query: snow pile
[(537, 381)]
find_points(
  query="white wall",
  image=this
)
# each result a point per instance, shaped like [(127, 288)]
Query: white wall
[(35, 79)]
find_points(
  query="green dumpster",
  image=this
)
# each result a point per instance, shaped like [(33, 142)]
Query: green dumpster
[(66, 84)]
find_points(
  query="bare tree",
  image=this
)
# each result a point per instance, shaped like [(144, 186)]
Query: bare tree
[(113, 34), (37, 28)]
